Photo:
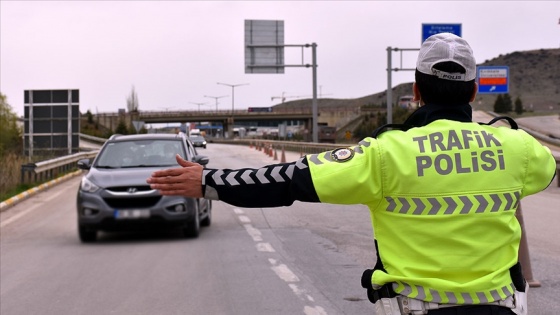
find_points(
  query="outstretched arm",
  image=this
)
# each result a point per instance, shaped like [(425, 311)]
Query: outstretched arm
[(185, 181), (269, 186)]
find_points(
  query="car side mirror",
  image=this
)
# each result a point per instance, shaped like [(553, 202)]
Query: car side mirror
[(201, 159), (84, 164)]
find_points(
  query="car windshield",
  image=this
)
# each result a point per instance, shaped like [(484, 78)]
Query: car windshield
[(196, 138), (140, 153)]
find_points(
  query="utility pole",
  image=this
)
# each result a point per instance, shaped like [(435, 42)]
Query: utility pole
[(390, 69), (216, 98), (198, 105), (233, 86)]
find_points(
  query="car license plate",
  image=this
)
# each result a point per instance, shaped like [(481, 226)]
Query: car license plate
[(132, 214)]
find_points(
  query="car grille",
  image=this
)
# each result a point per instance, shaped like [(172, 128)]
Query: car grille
[(132, 202), (127, 188)]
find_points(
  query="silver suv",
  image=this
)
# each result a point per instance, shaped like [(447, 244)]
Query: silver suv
[(114, 195)]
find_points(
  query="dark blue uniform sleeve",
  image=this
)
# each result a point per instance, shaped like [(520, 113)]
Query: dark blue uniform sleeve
[(269, 186)]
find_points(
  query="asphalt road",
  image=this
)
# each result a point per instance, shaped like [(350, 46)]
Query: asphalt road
[(249, 261), (303, 259)]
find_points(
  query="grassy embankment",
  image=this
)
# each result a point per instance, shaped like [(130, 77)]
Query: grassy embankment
[(10, 172)]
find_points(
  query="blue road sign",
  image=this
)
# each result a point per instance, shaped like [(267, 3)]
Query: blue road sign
[(493, 79), (431, 29)]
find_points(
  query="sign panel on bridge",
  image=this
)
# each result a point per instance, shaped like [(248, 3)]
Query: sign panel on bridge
[(264, 46), (51, 122), (493, 79), (431, 29)]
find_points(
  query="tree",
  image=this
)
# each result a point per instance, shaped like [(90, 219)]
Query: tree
[(132, 101), (508, 104), (89, 117), (500, 105), (121, 129), (10, 133), (518, 106)]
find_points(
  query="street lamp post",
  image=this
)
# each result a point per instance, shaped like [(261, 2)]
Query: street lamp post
[(233, 86), (198, 105), (216, 98)]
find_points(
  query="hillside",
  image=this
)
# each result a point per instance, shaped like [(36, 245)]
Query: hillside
[(534, 78)]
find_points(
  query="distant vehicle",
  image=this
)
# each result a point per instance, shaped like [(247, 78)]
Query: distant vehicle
[(326, 134), (259, 109), (239, 132), (407, 102), (114, 195), (198, 141)]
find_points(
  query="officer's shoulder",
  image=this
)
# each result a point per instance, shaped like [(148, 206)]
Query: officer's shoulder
[(387, 127)]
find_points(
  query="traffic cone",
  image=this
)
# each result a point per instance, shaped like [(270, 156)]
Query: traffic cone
[(283, 157), (275, 154)]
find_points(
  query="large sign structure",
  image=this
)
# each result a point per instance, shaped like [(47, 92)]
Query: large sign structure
[(432, 29), (51, 122), (493, 79), (428, 29), (264, 46), (264, 53)]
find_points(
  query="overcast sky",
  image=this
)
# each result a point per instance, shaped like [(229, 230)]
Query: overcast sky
[(175, 52)]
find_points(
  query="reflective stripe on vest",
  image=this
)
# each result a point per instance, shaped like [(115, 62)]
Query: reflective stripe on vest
[(431, 295), (454, 204)]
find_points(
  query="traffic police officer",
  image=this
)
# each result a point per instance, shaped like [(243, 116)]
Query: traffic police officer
[(442, 191)]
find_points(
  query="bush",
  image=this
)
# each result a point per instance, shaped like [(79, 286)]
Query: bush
[(518, 106), (10, 135), (10, 166), (503, 104)]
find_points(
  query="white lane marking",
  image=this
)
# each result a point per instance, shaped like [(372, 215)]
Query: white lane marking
[(254, 233), (30, 209), (281, 270), (265, 247), (244, 219), (297, 291), (300, 292), (285, 273), (317, 310)]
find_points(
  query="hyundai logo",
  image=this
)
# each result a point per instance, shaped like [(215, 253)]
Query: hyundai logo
[(132, 190)]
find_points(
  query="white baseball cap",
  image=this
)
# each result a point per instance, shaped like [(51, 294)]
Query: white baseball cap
[(444, 47)]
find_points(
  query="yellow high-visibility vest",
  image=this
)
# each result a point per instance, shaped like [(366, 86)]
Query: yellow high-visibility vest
[(442, 199)]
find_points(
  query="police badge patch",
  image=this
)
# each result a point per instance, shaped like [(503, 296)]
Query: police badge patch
[(342, 154)]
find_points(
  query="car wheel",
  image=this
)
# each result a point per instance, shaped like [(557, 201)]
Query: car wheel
[(192, 228), (87, 235), (208, 219)]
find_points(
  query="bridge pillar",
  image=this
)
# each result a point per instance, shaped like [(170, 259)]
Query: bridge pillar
[(229, 127), (308, 133)]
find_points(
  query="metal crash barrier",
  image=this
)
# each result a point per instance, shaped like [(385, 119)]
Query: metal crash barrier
[(45, 170)]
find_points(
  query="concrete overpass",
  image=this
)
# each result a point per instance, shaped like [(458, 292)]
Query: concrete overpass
[(226, 118)]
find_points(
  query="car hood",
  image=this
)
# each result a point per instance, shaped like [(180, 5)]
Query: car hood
[(121, 177)]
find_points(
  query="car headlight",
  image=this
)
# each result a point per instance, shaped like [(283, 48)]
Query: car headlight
[(88, 186)]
